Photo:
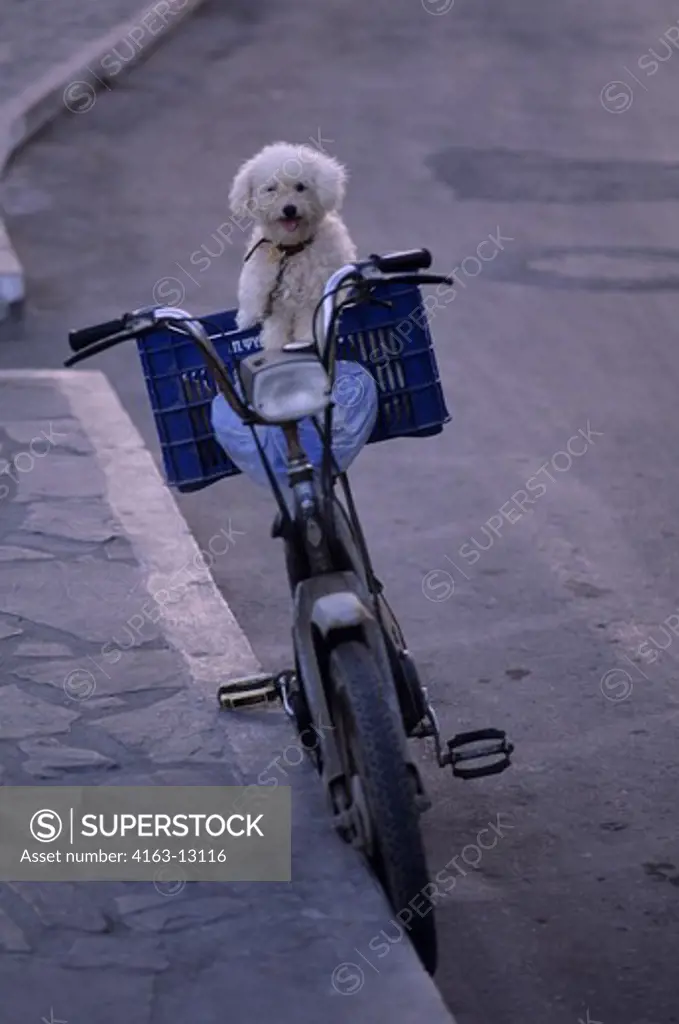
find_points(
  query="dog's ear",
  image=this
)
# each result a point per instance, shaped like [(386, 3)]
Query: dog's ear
[(240, 196), (330, 179)]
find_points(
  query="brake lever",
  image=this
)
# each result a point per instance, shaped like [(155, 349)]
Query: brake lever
[(418, 279), (77, 358), (94, 350)]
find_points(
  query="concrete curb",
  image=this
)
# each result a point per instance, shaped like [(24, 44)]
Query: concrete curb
[(72, 87), (215, 649)]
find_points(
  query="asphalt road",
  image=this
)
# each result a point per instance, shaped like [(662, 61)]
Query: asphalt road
[(488, 117)]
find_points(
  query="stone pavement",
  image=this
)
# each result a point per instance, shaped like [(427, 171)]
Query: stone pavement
[(54, 58), (97, 687)]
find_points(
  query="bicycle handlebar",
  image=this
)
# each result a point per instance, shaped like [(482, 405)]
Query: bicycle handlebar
[(401, 267), (402, 262)]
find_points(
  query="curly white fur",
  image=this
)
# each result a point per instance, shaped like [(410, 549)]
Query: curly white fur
[(278, 179)]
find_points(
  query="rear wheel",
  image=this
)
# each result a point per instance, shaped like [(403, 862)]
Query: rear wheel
[(381, 793)]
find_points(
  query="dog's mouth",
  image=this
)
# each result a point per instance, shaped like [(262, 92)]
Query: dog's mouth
[(290, 224)]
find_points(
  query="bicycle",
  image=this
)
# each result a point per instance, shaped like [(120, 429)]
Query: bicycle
[(353, 671)]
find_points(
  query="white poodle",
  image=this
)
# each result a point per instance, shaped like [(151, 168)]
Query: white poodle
[(293, 195)]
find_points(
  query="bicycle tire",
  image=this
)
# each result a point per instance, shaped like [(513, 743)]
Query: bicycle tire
[(388, 789)]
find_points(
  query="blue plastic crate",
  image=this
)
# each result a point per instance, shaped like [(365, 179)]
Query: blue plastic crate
[(394, 344)]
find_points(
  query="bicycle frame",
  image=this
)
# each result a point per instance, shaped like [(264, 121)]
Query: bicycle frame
[(338, 596), (307, 515)]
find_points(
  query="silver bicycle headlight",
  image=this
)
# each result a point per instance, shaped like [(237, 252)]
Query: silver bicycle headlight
[(289, 389)]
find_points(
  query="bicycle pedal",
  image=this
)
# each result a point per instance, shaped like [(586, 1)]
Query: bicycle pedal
[(246, 692), (490, 745)]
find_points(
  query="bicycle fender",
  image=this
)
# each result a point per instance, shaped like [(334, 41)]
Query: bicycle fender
[(336, 602), (339, 610)]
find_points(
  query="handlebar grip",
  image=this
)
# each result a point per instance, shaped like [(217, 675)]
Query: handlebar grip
[(405, 262), (78, 340)]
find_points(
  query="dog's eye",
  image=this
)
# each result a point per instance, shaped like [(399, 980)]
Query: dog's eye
[(271, 188), (300, 187)]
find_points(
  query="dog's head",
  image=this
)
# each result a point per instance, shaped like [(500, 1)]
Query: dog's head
[(288, 190)]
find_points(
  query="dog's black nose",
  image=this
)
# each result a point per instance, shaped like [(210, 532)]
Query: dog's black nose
[(290, 211)]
